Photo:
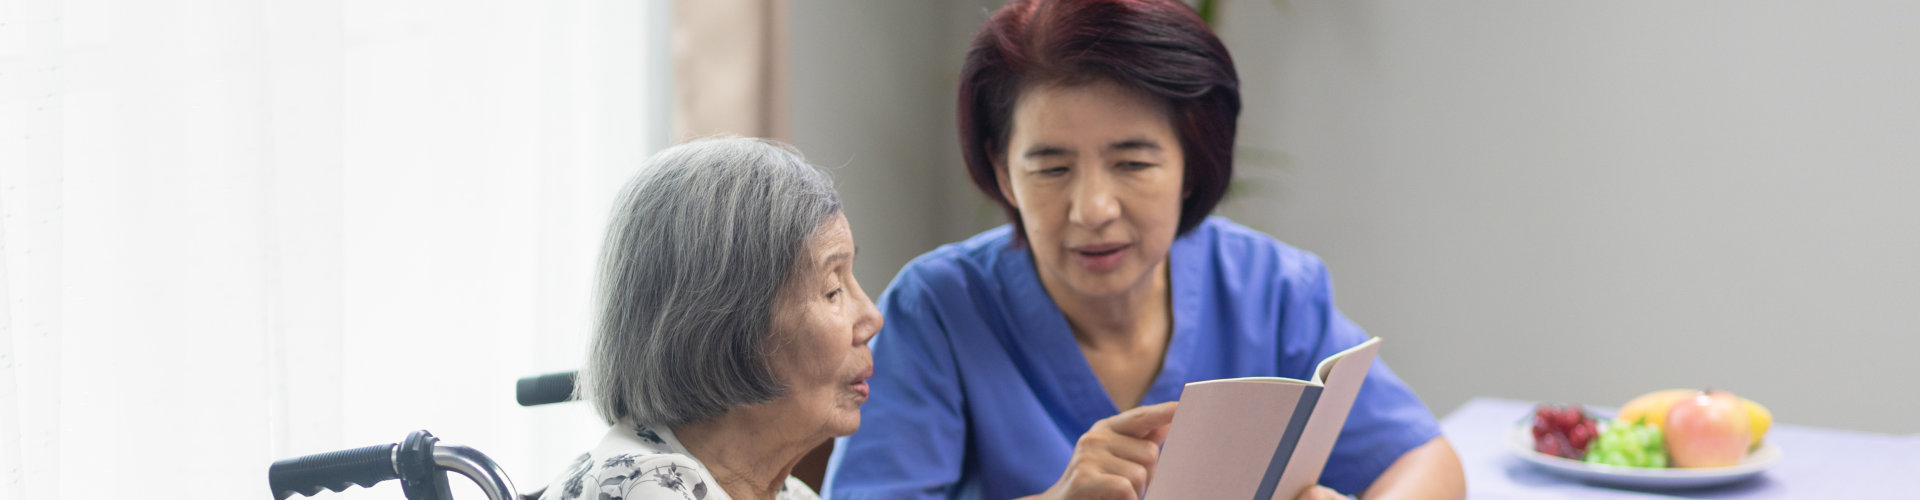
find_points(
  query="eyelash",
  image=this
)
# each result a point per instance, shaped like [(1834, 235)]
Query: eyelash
[(834, 294)]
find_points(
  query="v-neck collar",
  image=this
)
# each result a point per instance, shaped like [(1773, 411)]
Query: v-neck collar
[(1042, 332)]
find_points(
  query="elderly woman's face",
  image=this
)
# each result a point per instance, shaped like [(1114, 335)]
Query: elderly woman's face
[(1096, 171), (822, 323)]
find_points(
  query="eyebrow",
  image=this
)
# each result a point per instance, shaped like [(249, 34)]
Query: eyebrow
[(839, 256), (1042, 151), (1134, 144)]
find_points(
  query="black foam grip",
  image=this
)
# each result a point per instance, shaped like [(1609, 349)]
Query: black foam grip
[(545, 389), (334, 470)]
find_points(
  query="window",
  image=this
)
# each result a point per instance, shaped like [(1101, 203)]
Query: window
[(236, 231)]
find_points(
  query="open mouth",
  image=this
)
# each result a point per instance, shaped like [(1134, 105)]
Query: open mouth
[(859, 385), (1100, 249), (1102, 257)]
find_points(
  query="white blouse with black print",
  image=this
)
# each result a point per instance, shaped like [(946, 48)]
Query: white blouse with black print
[(637, 462)]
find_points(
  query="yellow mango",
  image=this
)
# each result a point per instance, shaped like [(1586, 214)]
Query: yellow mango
[(1758, 418), (1651, 408)]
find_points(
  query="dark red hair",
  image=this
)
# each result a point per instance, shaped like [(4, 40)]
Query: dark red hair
[(1160, 47)]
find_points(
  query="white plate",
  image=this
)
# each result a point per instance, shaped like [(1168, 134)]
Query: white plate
[(1520, 440)]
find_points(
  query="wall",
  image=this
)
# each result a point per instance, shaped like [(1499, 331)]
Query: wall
[(1586, 201), (873, 86)]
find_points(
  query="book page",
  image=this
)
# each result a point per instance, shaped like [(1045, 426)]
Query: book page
[(1342, 375), (1224, 436)]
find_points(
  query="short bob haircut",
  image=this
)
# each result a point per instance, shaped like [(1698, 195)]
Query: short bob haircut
[(701, 242), (1160, 47)]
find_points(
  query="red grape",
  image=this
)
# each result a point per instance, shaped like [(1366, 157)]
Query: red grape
[(1555, 445), (1570, 417), (1580, 436), (1562, 431)]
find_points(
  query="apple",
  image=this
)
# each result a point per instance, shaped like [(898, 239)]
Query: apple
[(1709, 429)]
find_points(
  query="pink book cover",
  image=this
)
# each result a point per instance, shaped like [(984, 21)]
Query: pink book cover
[(1263, 438)]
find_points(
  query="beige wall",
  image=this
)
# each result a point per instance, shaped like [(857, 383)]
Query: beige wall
[(873, 87), (1585, 201), (1541, 201)]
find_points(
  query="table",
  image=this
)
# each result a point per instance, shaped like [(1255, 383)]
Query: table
[(1815, 463)]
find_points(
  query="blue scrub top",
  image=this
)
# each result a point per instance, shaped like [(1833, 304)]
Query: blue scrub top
[(981, 391)]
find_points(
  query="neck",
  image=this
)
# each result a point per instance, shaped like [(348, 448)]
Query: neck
[(1135, 316), (747, 450)]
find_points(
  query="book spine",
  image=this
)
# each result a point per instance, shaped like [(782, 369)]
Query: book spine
[(1288, 441)]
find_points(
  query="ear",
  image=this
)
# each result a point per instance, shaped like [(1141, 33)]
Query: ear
[(1001, 177)]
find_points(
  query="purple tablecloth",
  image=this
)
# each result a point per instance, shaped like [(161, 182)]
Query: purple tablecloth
[(1815, 463)]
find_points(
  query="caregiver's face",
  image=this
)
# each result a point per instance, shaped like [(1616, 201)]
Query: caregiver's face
[(822, 322), (1095, 170)]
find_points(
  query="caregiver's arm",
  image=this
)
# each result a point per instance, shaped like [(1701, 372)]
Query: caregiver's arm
[(1429, 471)]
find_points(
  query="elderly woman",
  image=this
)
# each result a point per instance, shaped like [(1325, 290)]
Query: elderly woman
[(1029, 359), (732, 337)]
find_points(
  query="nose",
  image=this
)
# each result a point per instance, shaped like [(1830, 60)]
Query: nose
[(869, 322), (1094, 204)]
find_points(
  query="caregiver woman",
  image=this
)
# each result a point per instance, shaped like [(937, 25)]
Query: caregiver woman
[(1105, 129)]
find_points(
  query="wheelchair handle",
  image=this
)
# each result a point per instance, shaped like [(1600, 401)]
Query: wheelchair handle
[(418, 464), (333, 470), (478, 468)]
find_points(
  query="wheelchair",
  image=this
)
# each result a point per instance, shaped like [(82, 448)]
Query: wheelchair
[(420, 462)]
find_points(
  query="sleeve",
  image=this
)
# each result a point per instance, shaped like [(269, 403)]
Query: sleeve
[(912, 438), (662, 476), (1387, 419)]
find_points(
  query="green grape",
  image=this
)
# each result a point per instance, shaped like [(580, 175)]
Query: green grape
[(1597, 450), (1626, 444)]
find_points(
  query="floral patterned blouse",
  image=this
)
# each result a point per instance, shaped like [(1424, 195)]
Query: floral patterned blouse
[(637, 462)]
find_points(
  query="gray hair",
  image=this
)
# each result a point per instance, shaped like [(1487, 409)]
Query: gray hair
[(701, 242)]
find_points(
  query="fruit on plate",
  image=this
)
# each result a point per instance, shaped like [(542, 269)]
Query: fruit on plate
[(1709, 429), (1628, 444), (1758, 420), (1563, 431), (1651, 409)]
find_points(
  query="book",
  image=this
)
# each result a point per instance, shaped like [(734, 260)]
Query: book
[(1264, 438)]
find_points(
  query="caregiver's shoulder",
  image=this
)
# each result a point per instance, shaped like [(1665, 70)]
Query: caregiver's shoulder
[(1249, 246), (951, 264)]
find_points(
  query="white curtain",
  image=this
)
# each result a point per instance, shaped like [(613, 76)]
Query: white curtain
[(242, 230)]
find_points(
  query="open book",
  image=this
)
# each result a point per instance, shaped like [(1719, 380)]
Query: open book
[(1264, 438)]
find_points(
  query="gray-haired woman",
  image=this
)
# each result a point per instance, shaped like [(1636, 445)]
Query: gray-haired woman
[(732, 337)]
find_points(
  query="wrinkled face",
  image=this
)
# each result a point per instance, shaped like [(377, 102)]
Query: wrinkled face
[(821, 325), (1096, 171)]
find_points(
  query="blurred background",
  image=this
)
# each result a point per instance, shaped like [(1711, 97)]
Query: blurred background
[(241, 230)]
